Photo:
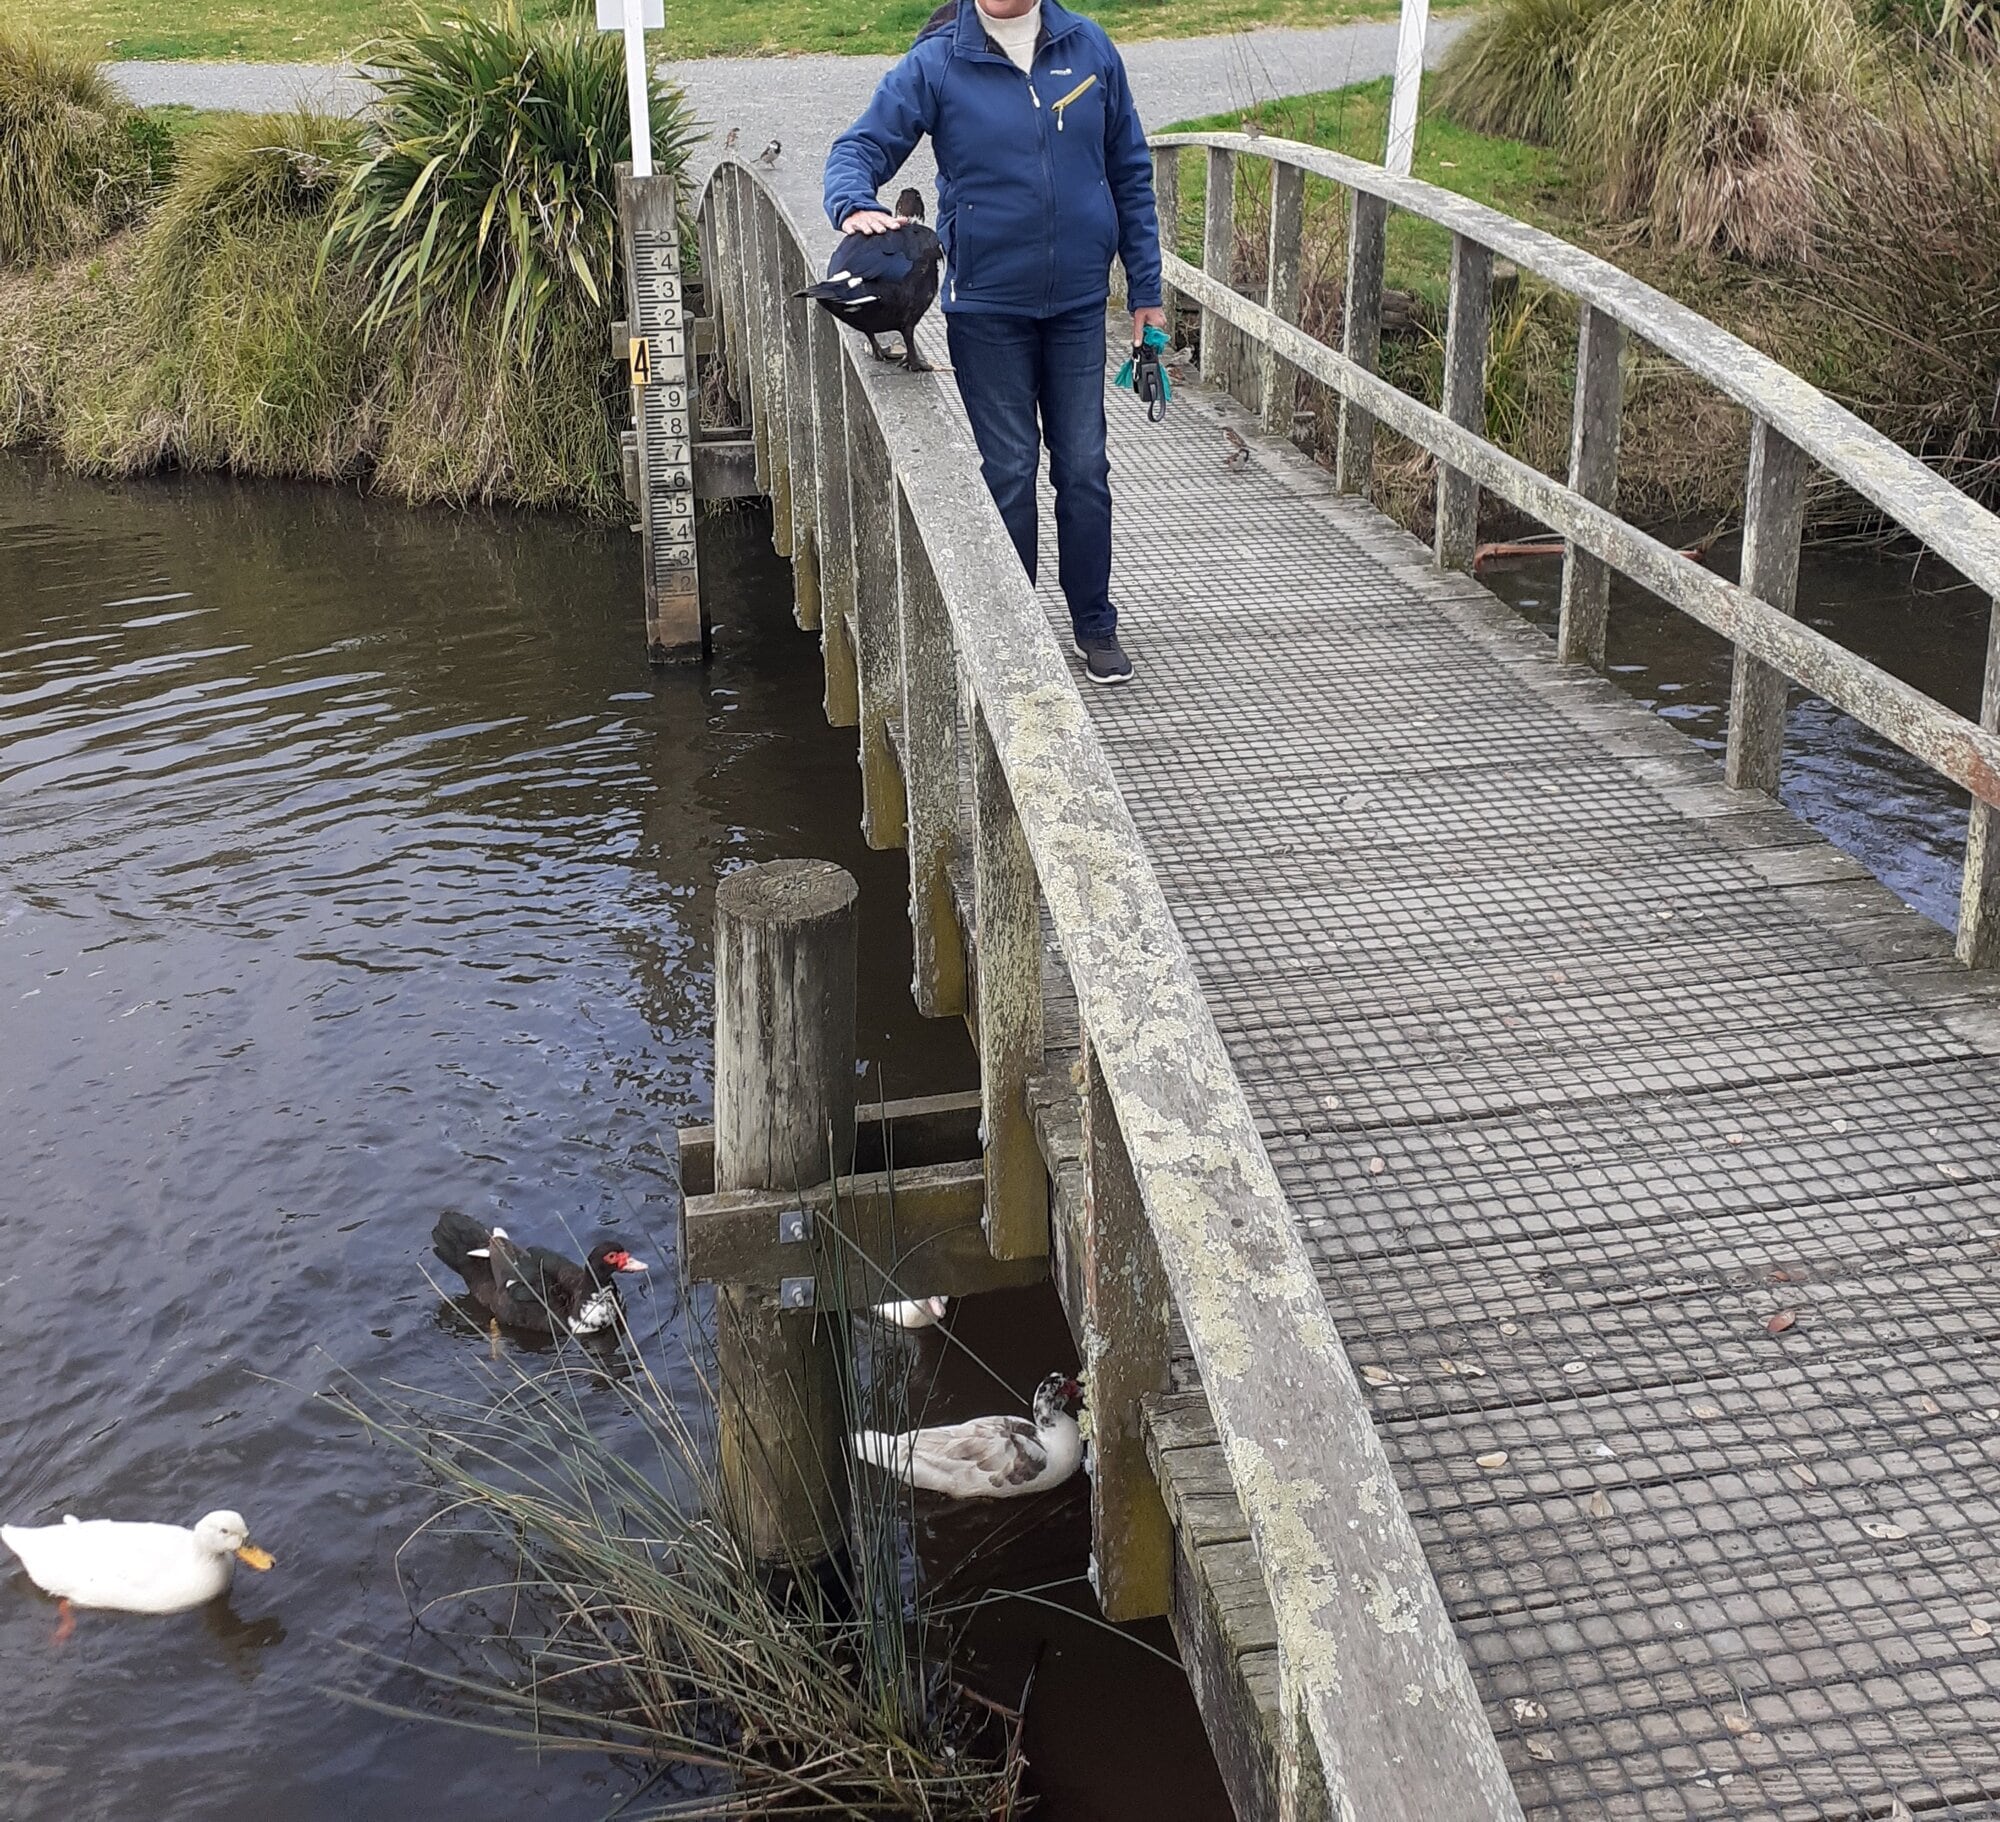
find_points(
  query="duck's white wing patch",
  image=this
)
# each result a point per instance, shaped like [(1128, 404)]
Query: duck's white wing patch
[(599, 1312)]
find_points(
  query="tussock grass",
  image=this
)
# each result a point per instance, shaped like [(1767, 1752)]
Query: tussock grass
[(1906, 247), (76, 162), (1702, 115), (1702, 118), (1511, 71)]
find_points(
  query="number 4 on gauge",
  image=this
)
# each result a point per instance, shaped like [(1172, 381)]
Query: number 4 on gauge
[(641, 357)]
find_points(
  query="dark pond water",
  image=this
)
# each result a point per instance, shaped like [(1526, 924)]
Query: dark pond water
[(1917, 621), (353, 865)]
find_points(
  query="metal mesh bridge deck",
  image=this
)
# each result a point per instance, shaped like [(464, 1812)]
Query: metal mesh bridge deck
[(1648, 1151)]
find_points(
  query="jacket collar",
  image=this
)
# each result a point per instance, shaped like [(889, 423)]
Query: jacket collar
[(971, 40)]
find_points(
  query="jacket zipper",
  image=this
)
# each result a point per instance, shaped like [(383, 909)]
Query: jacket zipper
[(1048, 197), (1057, 107)]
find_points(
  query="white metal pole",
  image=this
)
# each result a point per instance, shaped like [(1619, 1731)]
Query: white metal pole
[(1409, 78), (635, 89)]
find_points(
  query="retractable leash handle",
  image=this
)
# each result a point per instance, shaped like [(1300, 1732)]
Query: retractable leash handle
[(1146, 374)]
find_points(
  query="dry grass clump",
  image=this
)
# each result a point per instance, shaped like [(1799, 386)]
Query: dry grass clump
[(76, 161), (1701, 117), (1906, 249), (1510, 72)]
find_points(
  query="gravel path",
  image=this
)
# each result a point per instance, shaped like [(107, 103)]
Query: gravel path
[(807, 100)]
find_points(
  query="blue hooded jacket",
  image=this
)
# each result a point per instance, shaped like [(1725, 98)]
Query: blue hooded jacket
[(1041, 178)]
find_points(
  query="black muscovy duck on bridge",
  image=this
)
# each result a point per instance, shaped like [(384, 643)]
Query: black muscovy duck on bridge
[(879, 282), (532, 1288)]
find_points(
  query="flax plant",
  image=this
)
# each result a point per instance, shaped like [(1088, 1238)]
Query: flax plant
[(487, 184)]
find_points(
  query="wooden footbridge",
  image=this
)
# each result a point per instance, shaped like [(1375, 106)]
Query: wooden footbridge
[(1528, 1207)]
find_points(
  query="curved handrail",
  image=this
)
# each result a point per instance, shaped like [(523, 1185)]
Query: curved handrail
[(1371, 1670), (1921, 501)]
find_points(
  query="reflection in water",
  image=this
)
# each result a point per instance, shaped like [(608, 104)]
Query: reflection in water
[(354, 865), (1864, 794)]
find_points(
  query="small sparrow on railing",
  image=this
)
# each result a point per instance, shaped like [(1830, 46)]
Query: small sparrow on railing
[(729, 141), (1238, 457), (769, 155)]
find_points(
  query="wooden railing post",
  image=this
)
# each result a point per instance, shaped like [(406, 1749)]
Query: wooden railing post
[(797, 313), (771, 318), (1593, 472), (785, 960), (930, 772), (1979, 891), (1279, 391), (1774, 513), (1125, 1358), (722, 198), (878, 638), (1361, 336), (750, 244), (1167, 203), (1465, 340), (1007, 920), (1218, 251), (833, 520)]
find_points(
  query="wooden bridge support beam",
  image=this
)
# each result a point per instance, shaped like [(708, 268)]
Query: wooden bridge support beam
[(1774, 512), (1361, 337), (1008, 1001), (797, 313), (1126, 1301), (770, 315), (1979, 890), (1593, 472), (1464, 402), (930, 769), (833, 523), (877, 634), (785, 969)]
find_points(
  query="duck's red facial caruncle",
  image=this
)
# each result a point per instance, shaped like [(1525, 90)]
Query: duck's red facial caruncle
[(621, 1261)]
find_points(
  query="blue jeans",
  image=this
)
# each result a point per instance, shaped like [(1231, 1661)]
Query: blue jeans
[(1026, 381)]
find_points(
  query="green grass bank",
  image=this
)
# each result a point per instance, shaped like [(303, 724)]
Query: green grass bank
[(316, 30)]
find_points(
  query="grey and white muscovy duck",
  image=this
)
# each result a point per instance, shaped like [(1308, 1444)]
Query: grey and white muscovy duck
[(879, 282), (532, 1288), (987, 1457)]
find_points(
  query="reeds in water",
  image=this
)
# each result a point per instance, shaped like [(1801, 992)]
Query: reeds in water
[(641, 1625)]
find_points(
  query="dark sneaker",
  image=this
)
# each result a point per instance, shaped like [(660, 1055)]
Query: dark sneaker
[(1103, 661)]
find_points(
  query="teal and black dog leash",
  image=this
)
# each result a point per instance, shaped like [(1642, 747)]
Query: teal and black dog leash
[(1145, 374)]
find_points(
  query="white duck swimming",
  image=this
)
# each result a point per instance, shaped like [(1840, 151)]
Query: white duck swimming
[(134, 1568), (988, 1457), (917, 1313)]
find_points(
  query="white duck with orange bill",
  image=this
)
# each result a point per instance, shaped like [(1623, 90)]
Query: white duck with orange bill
[(135, 1568)]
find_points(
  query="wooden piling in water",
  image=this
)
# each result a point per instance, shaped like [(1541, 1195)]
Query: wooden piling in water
[(785, 955), (664, 409)]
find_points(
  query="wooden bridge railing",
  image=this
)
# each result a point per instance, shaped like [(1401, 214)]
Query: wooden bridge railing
[(930, 630), (1793, 427)]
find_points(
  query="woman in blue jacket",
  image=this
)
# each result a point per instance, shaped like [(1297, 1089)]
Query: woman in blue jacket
[(1043, 175)]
